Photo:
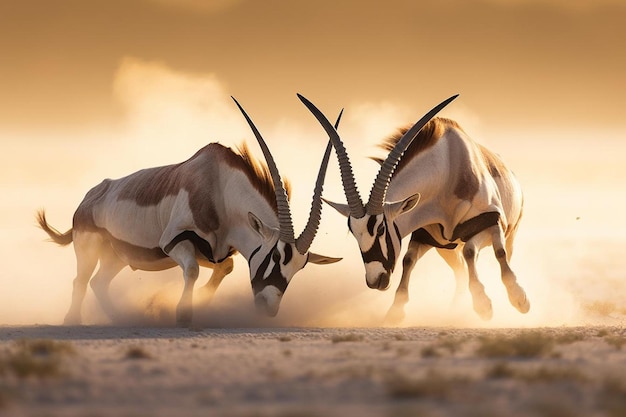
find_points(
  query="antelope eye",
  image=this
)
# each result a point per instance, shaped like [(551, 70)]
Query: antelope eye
[(381, 230), (276, 256)]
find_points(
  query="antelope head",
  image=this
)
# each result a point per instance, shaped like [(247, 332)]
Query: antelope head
[(274, 263), (373, 224)]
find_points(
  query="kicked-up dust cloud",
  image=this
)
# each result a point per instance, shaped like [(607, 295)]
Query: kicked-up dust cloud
[(567, 254)]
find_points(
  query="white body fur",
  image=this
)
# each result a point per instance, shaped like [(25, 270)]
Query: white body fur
[(199, 212)]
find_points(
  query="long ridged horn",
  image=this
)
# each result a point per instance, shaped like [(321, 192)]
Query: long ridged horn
[(357, 209), (375, 204), (285, 223), (303, 242)]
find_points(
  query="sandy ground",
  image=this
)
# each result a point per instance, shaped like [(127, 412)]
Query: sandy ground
[(143, 371)]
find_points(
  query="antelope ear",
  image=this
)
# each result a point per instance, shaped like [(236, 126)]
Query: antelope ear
[(344, 209), (321, 259), (404, 206), (261, 228)]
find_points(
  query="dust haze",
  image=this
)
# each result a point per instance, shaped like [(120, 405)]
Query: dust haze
[(568, 254)]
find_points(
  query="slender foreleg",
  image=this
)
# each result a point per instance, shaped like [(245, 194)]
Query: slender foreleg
[(454, 259), (184, 254), (414, 252), (220, 270), (517, 295)]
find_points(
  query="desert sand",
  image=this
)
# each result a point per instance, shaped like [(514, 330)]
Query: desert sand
[(412, 371)]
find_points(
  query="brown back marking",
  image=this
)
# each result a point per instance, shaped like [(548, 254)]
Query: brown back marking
[(163, 181), (149, 186), (427, 137)]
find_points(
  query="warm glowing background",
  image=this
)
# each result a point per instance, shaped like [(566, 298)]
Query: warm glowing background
[(98, 89)]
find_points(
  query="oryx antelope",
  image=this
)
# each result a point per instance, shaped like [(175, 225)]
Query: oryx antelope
[(468, 199), (198, 212)]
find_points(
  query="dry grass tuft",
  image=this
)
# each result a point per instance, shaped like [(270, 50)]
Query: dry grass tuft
[(503, 370), (527, 344), (35, 358), (348, 337), (568, 338), (445, 342), (616, 341), (137, 352), (433, 385)]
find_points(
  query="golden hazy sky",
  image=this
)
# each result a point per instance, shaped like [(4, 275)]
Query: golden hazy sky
[(516, 63)]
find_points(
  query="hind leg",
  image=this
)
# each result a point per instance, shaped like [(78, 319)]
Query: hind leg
[(220, 270), (517, 295), (481, 302), (454, 259), (87, 248), (110, 266)]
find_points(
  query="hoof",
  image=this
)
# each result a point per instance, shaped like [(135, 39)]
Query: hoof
[(484, 309), (72, 321), (183, 323), (518, 299), (394, 316), (183, 318)]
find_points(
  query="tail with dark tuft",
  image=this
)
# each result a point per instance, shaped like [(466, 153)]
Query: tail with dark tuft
[(57, 237)]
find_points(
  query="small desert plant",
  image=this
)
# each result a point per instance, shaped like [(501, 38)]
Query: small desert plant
[(433, 385), (567, 338), (430, 351), (285, 338), (36, 358), (602, 333), (616, 341), (501, 370), (137, 352), (348, 337), (549, 374), (527, 344)]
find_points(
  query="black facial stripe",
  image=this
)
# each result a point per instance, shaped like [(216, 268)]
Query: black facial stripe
[(275, 277), (288, 254), (375, 253), (254, 252), (371, 222), (395, 226), (349, 225)]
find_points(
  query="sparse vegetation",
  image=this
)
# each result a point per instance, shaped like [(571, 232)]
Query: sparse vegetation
[(430, 351), (137, 352), (433, 385), (570, 337), (285, 338), (34, 358), (616, 341), (503, 370), (602, 333), (348, 337), (444, 342), (500, 370), (527, 344)]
